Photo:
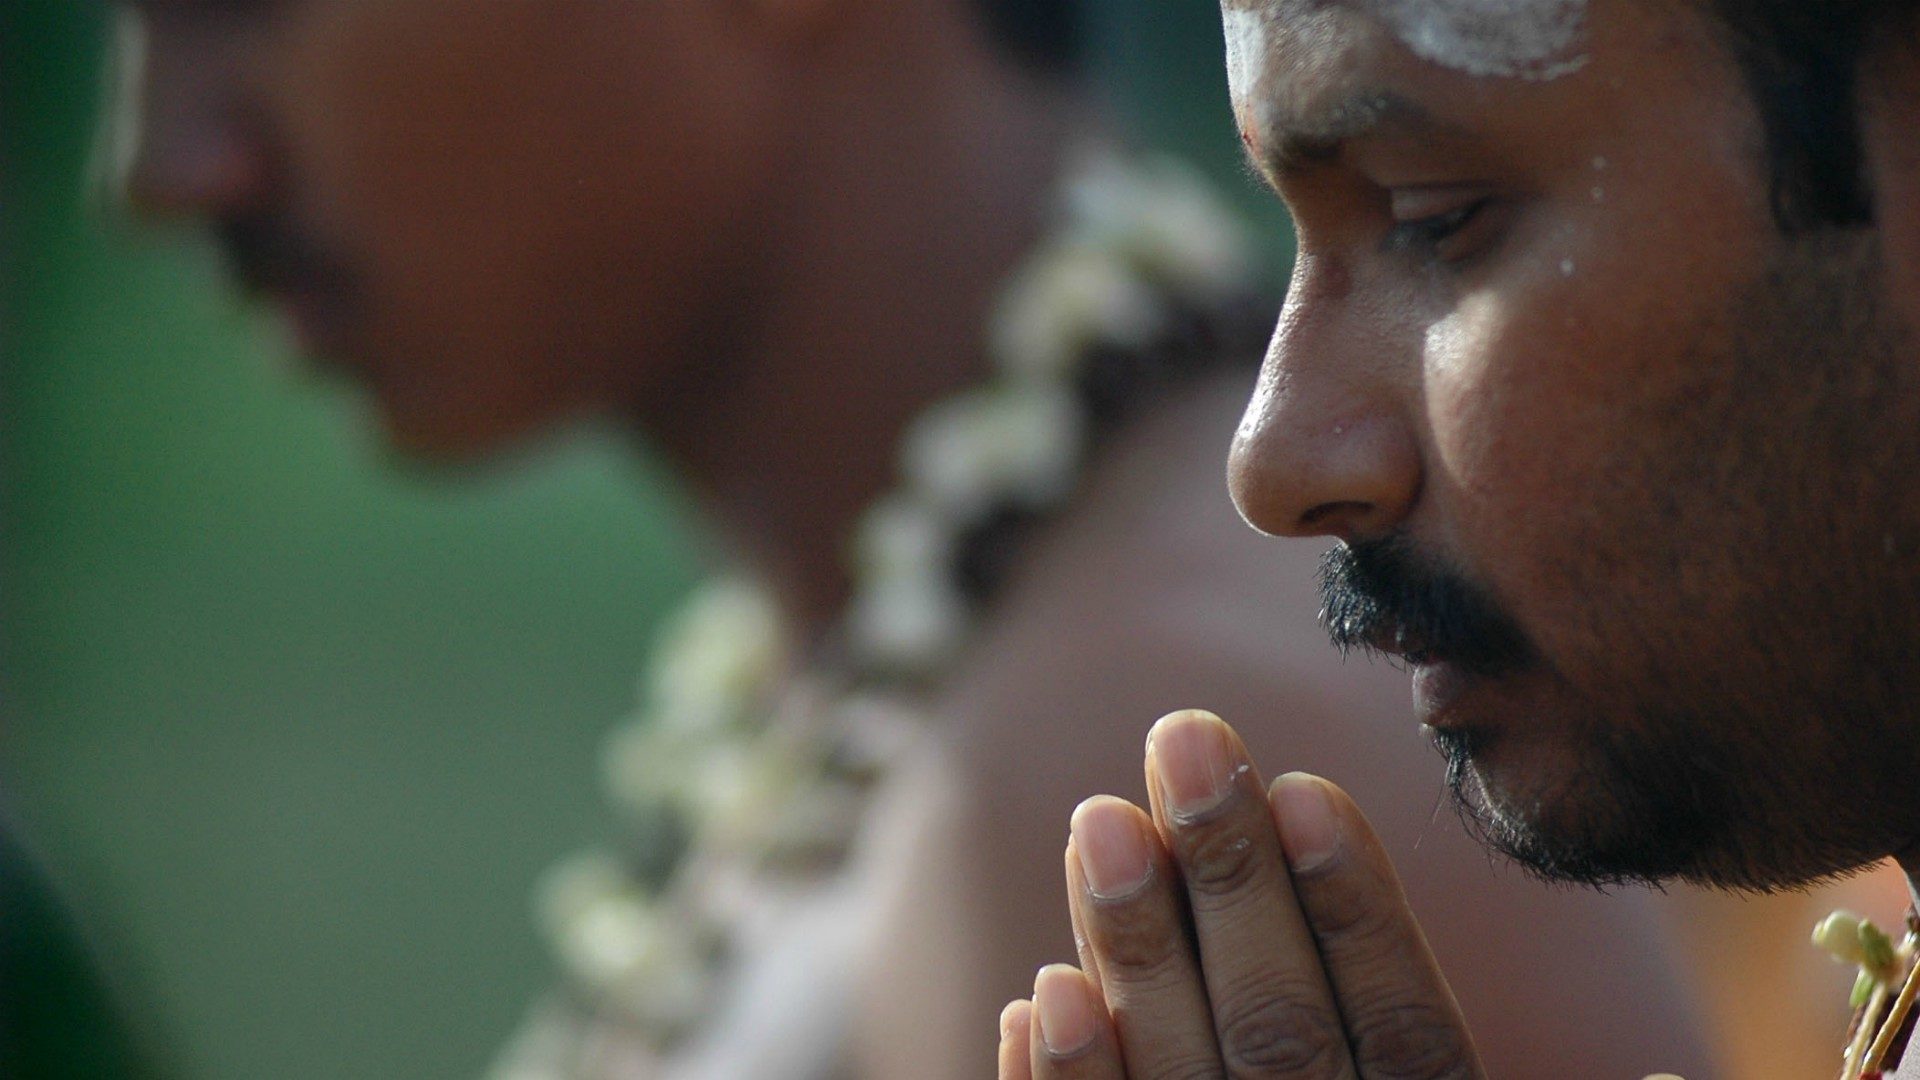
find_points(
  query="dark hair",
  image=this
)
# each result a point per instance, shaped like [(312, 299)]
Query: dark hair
[(1802, 60), (1044, 34)]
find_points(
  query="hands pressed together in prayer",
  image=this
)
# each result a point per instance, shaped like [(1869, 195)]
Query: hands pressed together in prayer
[(1238, 931)]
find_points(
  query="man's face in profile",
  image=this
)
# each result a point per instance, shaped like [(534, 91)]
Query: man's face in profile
[(490, 213), (1621, 466)]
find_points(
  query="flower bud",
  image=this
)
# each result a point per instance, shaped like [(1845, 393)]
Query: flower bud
[(1839, 936)]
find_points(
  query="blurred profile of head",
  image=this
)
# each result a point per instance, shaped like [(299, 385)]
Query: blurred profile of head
[(496, 215)]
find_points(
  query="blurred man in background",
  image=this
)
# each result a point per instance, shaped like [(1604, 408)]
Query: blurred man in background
[(861, 272)]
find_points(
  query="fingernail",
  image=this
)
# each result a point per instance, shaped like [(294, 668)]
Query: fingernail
[(1112, 850), (1197, 762), (1067, 1020), (1017, 1014), (1309, 833)]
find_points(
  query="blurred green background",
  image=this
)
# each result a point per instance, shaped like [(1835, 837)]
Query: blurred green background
[(291, 728)]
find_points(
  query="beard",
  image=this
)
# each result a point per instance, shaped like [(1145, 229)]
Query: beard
[(1737, 708)]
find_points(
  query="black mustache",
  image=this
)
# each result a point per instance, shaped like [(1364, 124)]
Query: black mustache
[(266, 254), (1382, 597)]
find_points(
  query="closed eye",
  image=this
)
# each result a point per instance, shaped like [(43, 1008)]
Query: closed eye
[(1425, 235)]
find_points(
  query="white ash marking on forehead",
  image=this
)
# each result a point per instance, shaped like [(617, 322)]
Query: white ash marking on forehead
[(1246, 34), (1522, 39)]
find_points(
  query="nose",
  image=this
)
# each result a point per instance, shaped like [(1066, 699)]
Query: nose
[(181, 145), (1327, 446)]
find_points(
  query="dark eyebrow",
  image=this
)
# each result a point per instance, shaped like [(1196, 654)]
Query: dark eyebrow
[(1315, 137)]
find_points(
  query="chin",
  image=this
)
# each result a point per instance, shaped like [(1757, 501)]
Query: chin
[(439, 441), (1553, 830), (451, 426), (1570, 809), (1611, 804)]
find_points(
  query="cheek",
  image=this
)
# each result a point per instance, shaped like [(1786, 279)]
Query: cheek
[(1546, 421), (1511, 393), (527, 188)]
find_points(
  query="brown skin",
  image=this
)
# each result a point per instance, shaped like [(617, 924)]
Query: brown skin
[(1577, 396), (472, 311), (1209, 612), (1681, 469), (699, 220), (724, 225)]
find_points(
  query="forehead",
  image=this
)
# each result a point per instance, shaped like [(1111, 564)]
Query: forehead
[(1334, 69), (1527, 39)]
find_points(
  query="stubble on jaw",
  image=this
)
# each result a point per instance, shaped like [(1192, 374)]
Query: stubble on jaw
[(1759, 726)]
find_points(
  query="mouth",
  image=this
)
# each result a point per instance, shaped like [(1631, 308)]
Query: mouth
[(1439, 687), (1385, 598), (1439, 682)]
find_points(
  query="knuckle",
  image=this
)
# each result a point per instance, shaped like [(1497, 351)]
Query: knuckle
[(1342, 907), (1281, 1037), (1219, 861), (1410, 1042), (1136, 949), (1189, 1067), (1357, 917)]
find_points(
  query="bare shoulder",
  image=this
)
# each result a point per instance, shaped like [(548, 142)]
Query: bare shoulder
[(1151, 593)]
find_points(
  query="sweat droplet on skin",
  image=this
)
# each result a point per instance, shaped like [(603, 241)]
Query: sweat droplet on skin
[(1566, 267), (1599, 194)]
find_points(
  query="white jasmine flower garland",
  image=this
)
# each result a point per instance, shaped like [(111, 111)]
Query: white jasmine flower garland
[(741, 776)]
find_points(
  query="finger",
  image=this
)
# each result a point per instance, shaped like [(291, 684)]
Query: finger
[(1135, 924), (1076, 887), (1273, 1009), (1071, 1037), (1401, 1019), (1016, 1063)]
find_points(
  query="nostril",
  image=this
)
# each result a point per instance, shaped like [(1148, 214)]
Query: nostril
[(1333, 517)]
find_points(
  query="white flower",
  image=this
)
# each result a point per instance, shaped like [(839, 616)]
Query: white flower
[(1038, 434), (570, 888), (906, 623), (1162, 217), (1019, 443), (945, 457), (646, 765), (1185, 234), (1068, 296), (617, 944), (717, 659), (730, 786), (901, 536), (717, 785), (817, 817)]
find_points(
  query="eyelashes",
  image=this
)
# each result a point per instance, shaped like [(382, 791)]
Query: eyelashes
[(1427, 236)]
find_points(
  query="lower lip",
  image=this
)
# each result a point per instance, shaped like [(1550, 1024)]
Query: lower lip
[(1437, 689)]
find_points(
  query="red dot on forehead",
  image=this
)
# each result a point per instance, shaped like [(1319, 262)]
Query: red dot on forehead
[(1249, 138)]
